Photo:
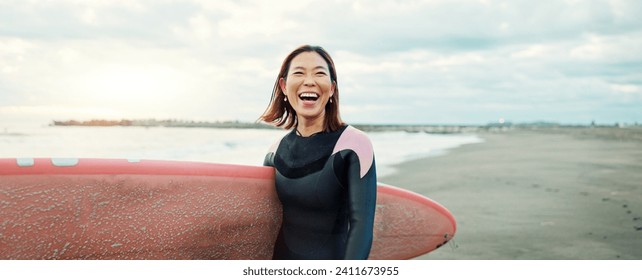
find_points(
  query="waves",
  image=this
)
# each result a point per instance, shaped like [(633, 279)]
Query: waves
[(233, 146)]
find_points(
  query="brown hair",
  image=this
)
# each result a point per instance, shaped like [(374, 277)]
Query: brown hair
[(279, 113)]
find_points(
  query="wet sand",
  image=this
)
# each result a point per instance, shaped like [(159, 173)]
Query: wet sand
[(554, 193)]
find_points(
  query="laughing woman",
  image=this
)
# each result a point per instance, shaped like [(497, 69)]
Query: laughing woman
[(325, 169)]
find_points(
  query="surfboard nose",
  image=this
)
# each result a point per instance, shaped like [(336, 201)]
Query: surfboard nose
[(408, 225)]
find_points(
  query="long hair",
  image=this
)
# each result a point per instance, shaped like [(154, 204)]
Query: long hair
[(279, 112)]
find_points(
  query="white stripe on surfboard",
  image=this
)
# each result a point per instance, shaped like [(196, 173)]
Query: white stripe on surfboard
[(64, 162), (25, 162)]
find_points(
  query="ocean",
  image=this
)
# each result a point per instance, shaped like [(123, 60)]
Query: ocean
[(233, 146)]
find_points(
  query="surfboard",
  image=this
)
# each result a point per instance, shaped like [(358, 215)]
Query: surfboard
[(148, 209)]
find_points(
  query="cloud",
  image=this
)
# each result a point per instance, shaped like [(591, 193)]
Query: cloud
[(609, 48), (398, 61)]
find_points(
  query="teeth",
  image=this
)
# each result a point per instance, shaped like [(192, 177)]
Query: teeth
[(309, 95)]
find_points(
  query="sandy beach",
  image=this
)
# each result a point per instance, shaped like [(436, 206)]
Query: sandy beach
[(548, 193)]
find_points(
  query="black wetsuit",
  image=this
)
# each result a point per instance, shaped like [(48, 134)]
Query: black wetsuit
[(327, 185)]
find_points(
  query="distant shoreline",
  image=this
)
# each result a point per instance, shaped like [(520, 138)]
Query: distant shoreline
[(161, 123), (427, 128)]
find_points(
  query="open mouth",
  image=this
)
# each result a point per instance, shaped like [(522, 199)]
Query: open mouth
[(309, 96)]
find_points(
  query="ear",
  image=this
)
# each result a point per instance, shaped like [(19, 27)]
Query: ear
[(282, 85), (334, 86)]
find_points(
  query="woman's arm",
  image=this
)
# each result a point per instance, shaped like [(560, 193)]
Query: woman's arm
[(269, 159), (362, 196), (356, 149)]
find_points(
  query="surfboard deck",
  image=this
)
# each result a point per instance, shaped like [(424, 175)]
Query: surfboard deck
[(131, 209)]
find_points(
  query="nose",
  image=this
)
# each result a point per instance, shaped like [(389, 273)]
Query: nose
[(309, 81)]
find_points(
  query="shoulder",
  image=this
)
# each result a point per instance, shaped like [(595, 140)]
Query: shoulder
[(353, 139), (276, 144), (358, 142), (269, 157)]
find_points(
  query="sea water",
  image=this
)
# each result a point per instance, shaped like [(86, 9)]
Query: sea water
[(233, 146)]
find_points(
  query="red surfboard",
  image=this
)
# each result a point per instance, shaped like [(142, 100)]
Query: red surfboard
[(132, 209)]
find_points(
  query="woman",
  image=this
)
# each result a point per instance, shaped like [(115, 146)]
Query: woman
[(325, 169)]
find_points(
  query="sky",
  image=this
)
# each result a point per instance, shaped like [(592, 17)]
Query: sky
[(398, 62)]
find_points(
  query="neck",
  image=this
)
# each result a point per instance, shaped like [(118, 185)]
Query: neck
[(307, 127)]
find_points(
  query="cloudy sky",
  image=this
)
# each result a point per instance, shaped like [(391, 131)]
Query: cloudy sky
[(432, 61)]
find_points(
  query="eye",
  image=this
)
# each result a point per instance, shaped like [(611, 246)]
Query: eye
[(321, 73), (297, 73)]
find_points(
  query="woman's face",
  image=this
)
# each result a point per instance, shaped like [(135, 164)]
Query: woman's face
[(308, 86)]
